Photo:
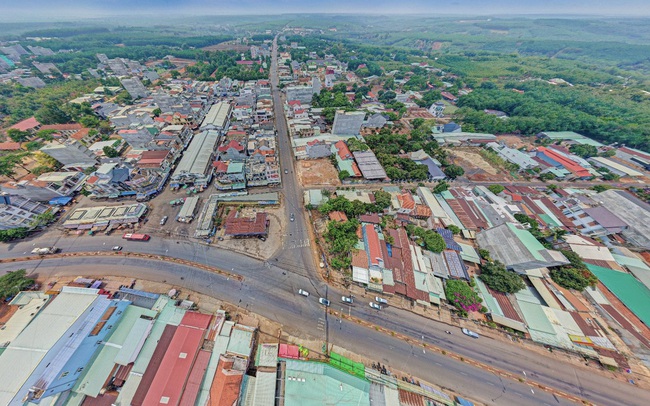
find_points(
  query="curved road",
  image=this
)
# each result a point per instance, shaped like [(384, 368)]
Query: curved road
[(270, 289)]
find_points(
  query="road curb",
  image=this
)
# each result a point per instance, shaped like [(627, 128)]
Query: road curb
[(458, 357), (161, 258)]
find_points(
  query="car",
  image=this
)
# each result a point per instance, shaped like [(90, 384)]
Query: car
[(286, 171), (375, 306), (347, 299), (117, 248), (303, 292), (470, 333), (163, 220), (324, 301), (261, 237), (381, 300), (292, 217)]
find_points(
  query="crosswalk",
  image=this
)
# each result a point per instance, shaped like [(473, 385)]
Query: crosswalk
[(293, 244), (321, 324)]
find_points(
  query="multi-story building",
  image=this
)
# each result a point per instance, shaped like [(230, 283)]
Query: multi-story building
[(46, 187), (71, 153)]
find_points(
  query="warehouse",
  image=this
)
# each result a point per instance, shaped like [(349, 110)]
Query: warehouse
[(195, 167), (218, 118)]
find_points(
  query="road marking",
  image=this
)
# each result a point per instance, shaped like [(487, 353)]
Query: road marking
[(463, 373), (490, 383)]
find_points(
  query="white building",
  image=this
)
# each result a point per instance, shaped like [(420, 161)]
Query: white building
[(196, 165)]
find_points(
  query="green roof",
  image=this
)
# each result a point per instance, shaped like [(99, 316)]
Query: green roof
[(629, 261), (347, 365), (235, 167), (634, 295), (535, 317), (530, 242)]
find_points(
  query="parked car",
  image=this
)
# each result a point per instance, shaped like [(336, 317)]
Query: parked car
[(163, 220), (470, 333), (375, 306), (292, 217), (347, 299), (324, 301), (117, 248), (286, 171), (381, 300), (303, 292)]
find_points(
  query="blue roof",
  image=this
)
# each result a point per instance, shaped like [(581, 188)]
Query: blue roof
[(448, 236), (60, 201), (141, 293), (463, 402), (434, 170)]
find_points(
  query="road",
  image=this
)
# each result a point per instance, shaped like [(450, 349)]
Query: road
[(270, 290), (296, 252), (276, 298)]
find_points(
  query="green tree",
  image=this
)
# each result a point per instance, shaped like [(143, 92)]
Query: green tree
[(18, 135), (454, 171), (583, 151), (496, 189), (43, 219), (454, 229), (110, 152), (441, 187), (156, 112), (175, 74), (572, 278), (382, 198), (13, 282), (13, 234), (344, 174), (495, 275)]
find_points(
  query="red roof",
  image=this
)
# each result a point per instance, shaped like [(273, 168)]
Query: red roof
[(360, 259), (220, 166), (406, 201), (175, 368), (636, 153), (370, 218), (232, 144), (226, 384), (338, 216), (294, 102), (289, 351), (81, 134), (62, 127), (9, 146), (571, 166), (374, 249), (26, 125), (196, 378), (246, 226), (343, 150), (154, 365)]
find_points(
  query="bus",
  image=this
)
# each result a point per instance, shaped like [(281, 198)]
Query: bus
[(136, 237)]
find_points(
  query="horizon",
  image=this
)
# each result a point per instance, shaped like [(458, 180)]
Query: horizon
[(66, 10)]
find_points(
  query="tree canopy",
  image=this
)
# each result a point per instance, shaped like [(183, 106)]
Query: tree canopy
[(13, 282), (495, 275)]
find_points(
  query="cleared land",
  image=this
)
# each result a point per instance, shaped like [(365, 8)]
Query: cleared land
[(317, 172)]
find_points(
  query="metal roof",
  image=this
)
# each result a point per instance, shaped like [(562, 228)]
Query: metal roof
[(29, 308), (196, 158), (369, 165), (217, 115), (36, 341)]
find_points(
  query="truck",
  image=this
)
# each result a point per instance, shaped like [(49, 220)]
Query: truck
[(136, 237), (45, 251)]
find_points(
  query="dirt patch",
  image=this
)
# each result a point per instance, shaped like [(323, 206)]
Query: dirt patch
[(254, 246), (317, 172), (227, 46), (516, 142), (472, 160)]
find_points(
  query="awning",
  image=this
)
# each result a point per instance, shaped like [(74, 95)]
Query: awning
[(85, 227), (60, 201)]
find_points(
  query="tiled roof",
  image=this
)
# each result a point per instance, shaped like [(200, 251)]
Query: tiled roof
[(338, 216), (245, 226), (26, 125)]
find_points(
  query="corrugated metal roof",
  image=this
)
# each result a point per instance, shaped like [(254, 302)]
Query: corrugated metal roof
[(34, 343), (154, 365), (264, 394), (28, 310), (196, 377)]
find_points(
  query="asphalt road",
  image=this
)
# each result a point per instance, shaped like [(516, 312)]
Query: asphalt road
[(296, 251), (276, 298), (270, 289)]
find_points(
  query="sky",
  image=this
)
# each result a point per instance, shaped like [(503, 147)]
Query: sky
[(21, 10)]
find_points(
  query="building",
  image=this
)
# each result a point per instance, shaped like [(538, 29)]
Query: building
[(42, 350), (17, 211), (236, 226), (104, 217), (369, 165), (135, 88), (615, 167), (557, 160), (196, 165), (137, 139), (188, 210), (110, 181), (303, 94), (517, 249), (348, 123), (632, 211), (47, 186), (375, 121), (218, 117), (30, 125), (71, 154), (514, 156), (172, 376)]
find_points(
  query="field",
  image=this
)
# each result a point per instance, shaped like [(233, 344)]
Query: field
[(317, 172)]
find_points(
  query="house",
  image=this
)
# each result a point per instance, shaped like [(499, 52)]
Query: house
[(233, 150), (448, 96), (30, 125), (375, 121), (557, 160), (317, 149), (17, 211), (437, 109), (237, 225)]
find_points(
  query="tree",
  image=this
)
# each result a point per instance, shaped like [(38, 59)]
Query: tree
[(43, 219), (454, 171), (156, 112), (344, 174), (417, 123), (454, 229), (441, 187), (110, 152), (583, 150), (13, 282), (175, 74), (496, 189), (495, 275), (18, 135), (382, 198), (572, 278), (13, 234)]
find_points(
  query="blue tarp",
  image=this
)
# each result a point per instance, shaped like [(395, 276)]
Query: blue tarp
[(60, 201), (463, 402), (128, 193)]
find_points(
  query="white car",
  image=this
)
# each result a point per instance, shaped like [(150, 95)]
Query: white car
[(470, 333), (324, 301), (163, 220), (375, 306), (381, 300), (117, 248), (292, 217), (346, 299), (286, 171), (303, 292)]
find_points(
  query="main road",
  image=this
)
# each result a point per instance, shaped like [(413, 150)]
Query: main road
[(270, 290)]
